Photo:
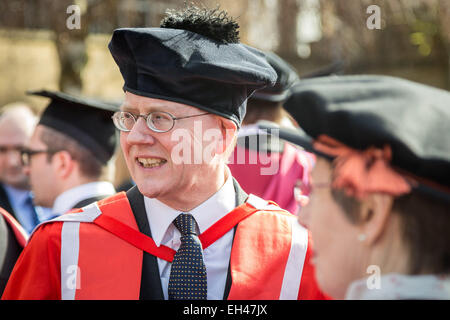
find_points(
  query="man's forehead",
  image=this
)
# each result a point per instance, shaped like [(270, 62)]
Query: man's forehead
[(13, 135), (140, 103), (12, 131), (12, 140)]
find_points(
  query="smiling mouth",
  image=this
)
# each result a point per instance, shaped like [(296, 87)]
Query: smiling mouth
[(151, 162)]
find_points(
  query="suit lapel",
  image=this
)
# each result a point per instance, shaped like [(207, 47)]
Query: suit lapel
[(241, 196), (151, 288)]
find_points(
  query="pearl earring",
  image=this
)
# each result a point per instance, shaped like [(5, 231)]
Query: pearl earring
[(362, 237)]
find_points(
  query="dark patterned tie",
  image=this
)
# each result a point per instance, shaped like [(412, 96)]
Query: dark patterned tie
[(188, 272)]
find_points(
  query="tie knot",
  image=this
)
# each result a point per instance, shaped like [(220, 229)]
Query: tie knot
[(185, 222)]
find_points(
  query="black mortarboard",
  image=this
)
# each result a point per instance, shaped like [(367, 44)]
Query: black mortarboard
[(86, 120), (365, 111), (185, 67), (286, 78)]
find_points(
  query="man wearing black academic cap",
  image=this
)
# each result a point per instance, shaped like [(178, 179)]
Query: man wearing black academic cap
[(67, 154), (65, 158), (187, 230), (277, 166)]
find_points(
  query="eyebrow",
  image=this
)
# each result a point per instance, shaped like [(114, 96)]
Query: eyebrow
[(125, 107)]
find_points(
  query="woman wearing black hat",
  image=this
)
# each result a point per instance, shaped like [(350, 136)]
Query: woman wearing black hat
[(379, 213)]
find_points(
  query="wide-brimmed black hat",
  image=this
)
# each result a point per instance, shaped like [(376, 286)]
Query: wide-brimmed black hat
[(365, 111), (189, 68), (86, 120)]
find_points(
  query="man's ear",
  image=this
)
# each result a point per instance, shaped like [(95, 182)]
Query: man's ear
[(227, 136), (63, 164), (375, 215)]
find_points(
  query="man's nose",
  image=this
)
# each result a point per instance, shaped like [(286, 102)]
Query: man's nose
[(140, 133)]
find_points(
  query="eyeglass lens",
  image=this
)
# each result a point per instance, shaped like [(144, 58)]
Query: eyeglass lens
[(157, 121)]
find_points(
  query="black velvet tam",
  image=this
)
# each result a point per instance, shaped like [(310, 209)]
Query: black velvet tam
[(286, 77), (186, 67)]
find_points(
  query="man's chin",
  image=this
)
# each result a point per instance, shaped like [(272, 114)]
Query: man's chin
[(148, 191)]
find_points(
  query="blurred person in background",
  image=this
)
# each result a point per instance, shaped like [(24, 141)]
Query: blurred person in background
[(62, 160), (379, 212), (17, 122), (187, 230), (67, 156), (264, 165)]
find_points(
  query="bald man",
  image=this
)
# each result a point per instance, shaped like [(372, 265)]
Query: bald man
[(17, 123)]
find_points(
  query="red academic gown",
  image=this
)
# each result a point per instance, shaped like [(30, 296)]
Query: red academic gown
[(97, 253)]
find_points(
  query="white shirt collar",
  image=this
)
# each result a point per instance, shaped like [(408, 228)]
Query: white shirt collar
[(400, 287), (161, 216), (66, 200)]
